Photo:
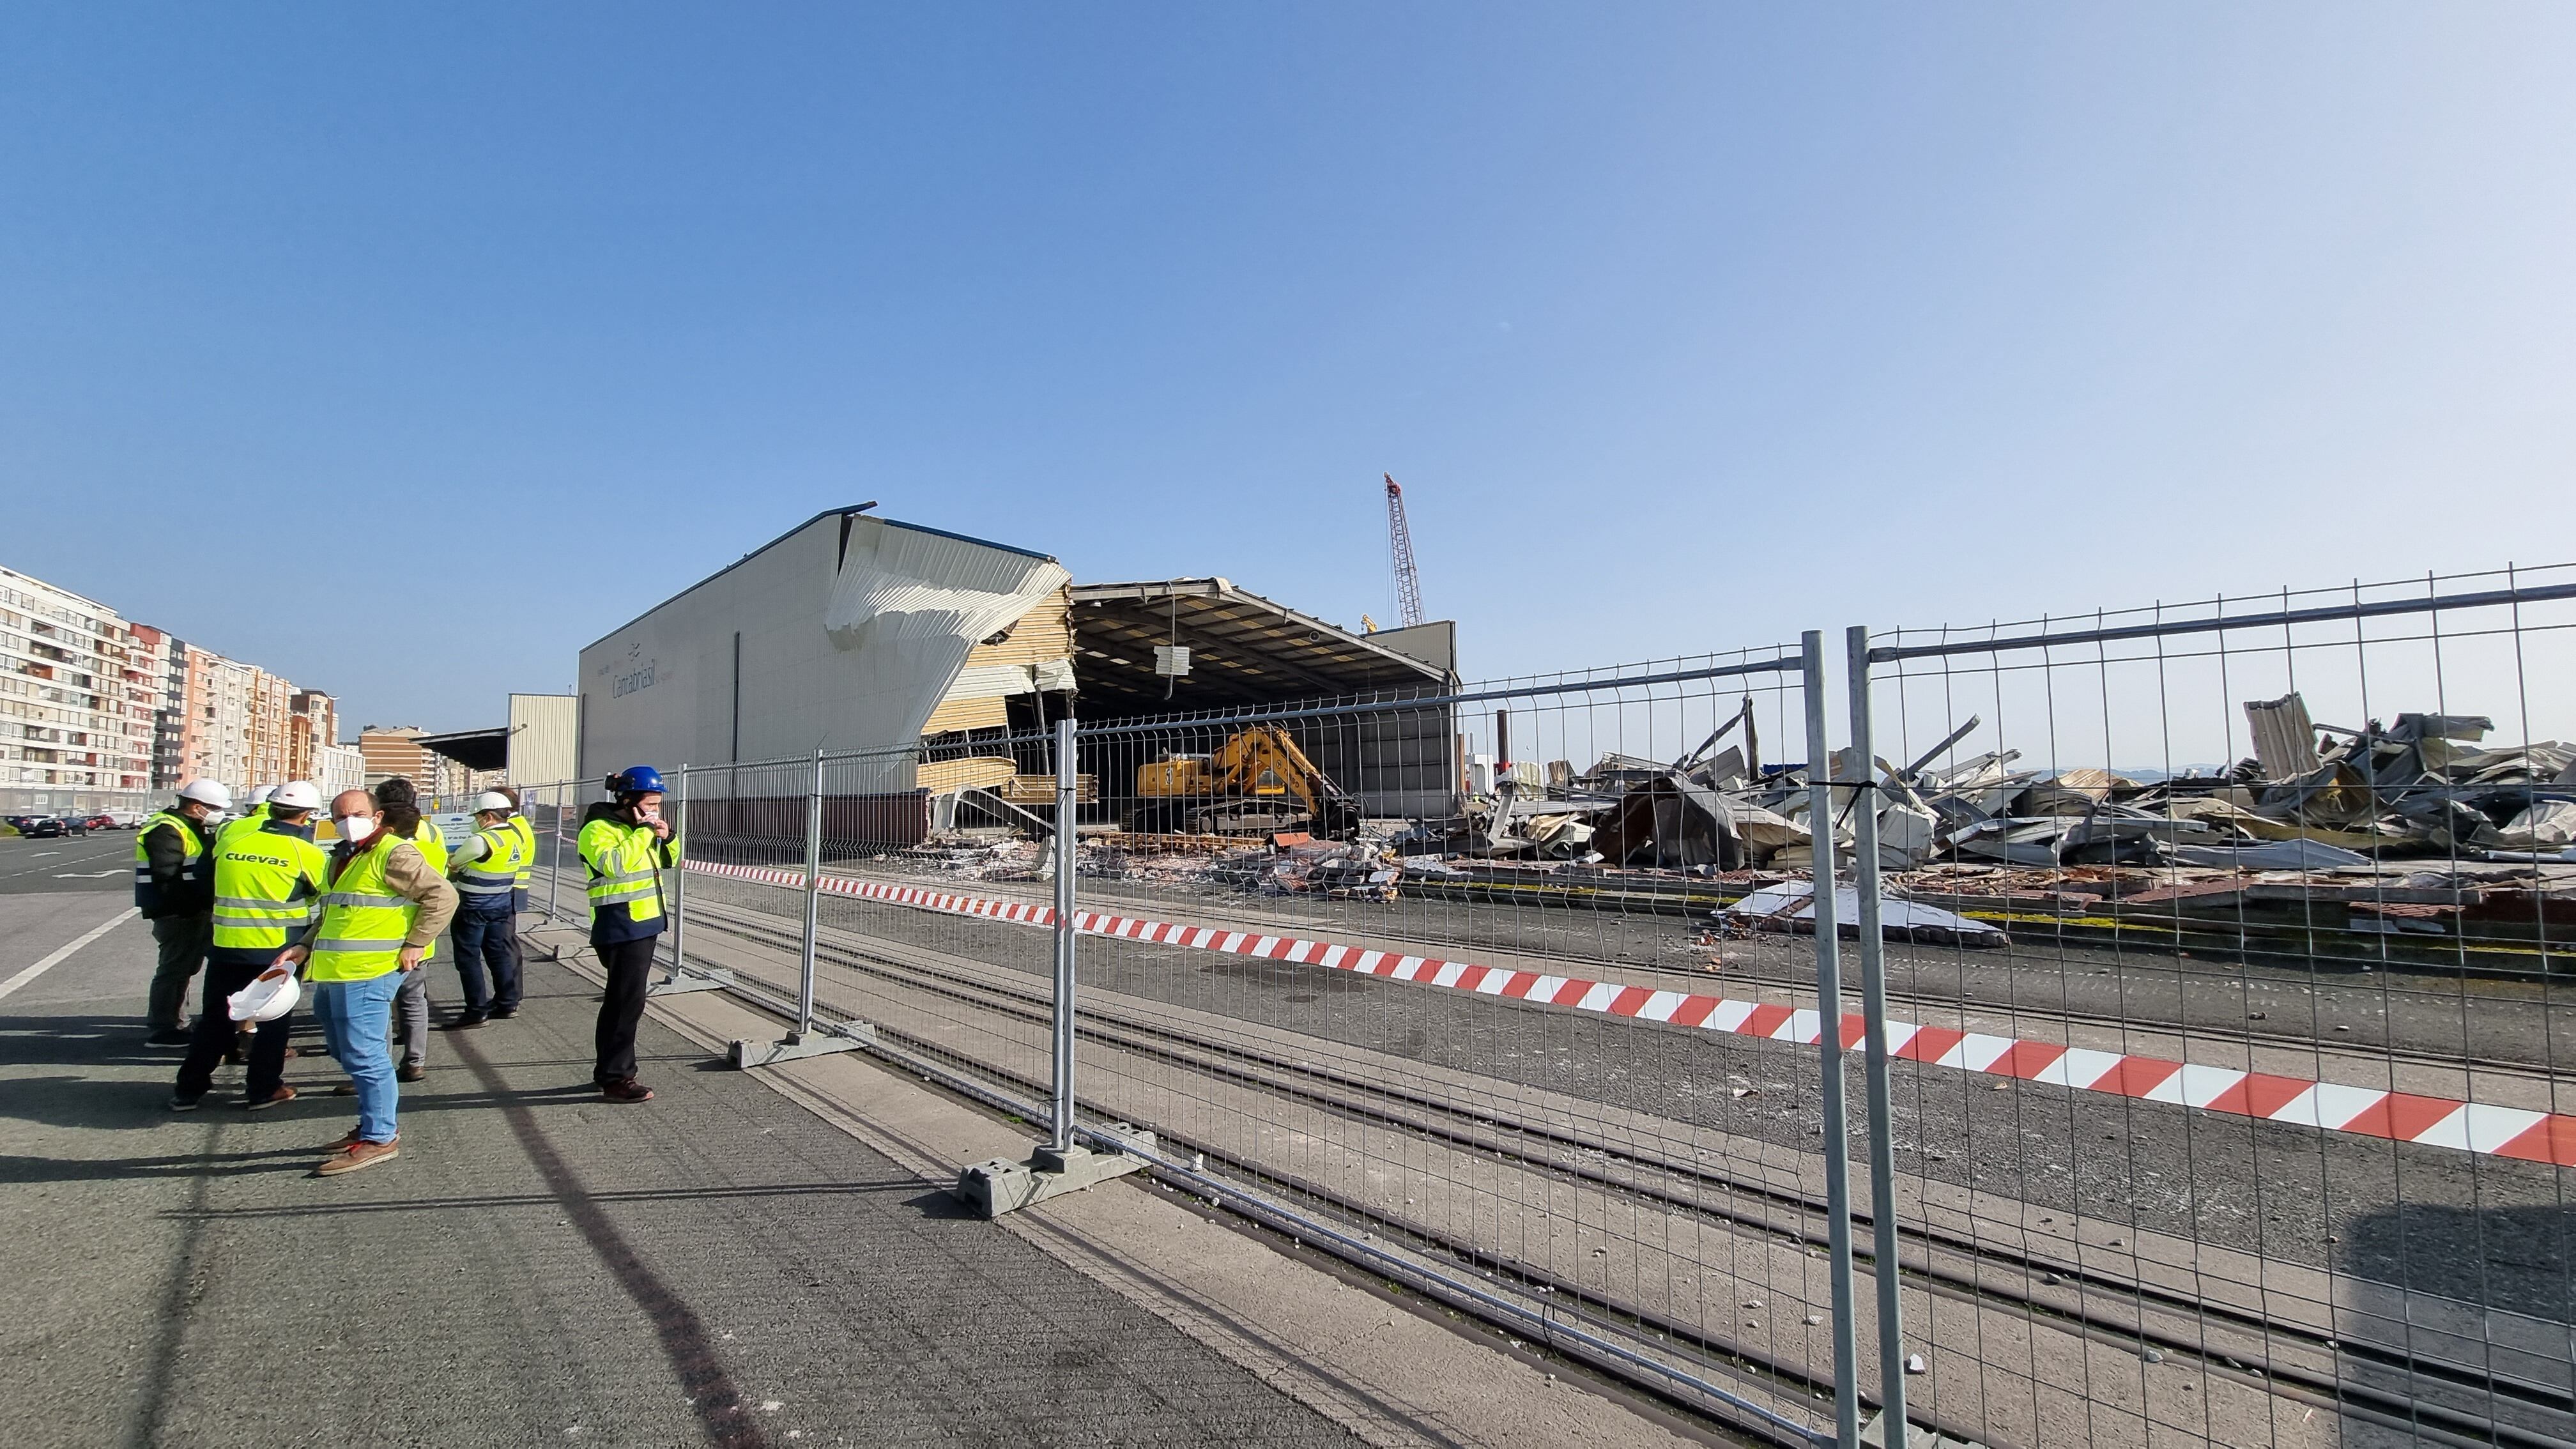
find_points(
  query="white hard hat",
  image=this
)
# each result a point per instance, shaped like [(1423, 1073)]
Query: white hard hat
[(491, 800), (297, 795), (270, 995), (261, 795), (207, 792)]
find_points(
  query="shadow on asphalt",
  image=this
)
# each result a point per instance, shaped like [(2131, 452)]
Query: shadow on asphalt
[(506, 1200), (298, 1160)]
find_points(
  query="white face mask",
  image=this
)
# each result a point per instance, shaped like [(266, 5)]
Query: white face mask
[(354, 828)]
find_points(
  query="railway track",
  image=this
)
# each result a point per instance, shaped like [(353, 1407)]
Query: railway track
[(2434, 1400)]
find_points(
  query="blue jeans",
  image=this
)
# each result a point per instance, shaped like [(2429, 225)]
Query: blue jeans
[(355, 1017), (486, 934)]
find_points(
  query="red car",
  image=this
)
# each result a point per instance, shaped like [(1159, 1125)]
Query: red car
[(99, 822)]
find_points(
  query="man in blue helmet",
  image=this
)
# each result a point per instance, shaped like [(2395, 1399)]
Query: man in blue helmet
[(625, 846)]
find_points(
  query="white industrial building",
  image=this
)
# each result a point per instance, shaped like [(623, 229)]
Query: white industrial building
[(945, 659)]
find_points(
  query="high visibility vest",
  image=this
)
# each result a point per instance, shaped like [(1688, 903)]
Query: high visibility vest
[(625, 868), (256, 873), (147, 896), (496, 871), (519, 826), (364, 920), (433, 848), (257, 817), (432, 843)]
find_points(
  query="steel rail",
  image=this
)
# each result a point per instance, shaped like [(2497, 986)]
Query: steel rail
[(2277, 618)]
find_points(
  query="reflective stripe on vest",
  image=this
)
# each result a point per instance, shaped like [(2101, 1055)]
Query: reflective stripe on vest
[(527, 834), (496, 871), (364, 921), (626, 868)]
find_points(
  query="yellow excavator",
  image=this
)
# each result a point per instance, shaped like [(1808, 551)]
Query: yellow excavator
[(1256, 783)]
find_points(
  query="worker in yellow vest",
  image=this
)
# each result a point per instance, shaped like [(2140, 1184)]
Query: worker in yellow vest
[(411, 1002), (527, 858), (485, 868), (174, 889), (381, 908), (251, 818), (625, 847), (267, 878)]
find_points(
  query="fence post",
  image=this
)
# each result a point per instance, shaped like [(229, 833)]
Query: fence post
[(1000, 1185), (554, 833), (680, 872), (813, 898), (1829, 1045), (1873, 1006), (1065, 859)]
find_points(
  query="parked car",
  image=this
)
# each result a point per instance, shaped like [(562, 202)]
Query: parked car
[(50, 827), (99, 822), (126, 819)]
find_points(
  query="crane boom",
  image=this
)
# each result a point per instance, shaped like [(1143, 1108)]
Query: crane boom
[(1399, 543)]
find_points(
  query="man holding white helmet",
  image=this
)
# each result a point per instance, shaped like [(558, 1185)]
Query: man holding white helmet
[(174, 889), (268, 876), (485, 867)]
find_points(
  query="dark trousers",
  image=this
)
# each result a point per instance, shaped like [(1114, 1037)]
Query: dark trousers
[(485, 933), (630, 965), (216, 1032), (182, 941)]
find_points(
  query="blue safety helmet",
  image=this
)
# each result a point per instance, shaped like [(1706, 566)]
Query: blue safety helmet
[(638, 780)]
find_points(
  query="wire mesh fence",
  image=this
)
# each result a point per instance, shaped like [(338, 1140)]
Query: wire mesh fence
[(2249, 1039), (2198, 1052)]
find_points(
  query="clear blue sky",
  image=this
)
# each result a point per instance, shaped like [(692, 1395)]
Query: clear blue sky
[(1685, 326)]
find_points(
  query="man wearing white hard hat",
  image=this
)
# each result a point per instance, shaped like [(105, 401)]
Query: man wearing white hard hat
[(485, 867), (174, 889), (249, 819), (269, 875)]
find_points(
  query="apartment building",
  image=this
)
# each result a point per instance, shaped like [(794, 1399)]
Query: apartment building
[(338, 767), (392, 750), (78, 695), (314, 723)]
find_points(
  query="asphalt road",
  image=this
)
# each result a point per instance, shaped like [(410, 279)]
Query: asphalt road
[(538, 1266), (100, 861), (2481, 1229)]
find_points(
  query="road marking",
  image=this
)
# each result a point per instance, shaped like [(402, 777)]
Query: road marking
[(87, 874), (60, 956), (2474, 1127)]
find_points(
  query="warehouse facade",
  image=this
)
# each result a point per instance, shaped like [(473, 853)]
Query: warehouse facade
[(944, 660)]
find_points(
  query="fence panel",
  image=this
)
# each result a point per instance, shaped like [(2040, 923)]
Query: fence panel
[(2222, 945)]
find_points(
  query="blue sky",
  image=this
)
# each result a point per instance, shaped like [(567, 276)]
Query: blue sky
[(1685, 326)]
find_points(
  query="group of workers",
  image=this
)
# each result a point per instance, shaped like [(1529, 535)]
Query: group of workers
[(257, 904)]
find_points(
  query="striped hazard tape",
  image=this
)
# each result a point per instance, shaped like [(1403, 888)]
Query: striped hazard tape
[(2366, 1111)]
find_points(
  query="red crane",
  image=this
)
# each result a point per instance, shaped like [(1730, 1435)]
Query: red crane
[(1399, 544)]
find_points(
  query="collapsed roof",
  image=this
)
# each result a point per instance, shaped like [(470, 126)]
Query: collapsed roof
[(1244, 650)]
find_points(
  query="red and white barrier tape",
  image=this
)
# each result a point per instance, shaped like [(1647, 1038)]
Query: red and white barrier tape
[(2367, 1111)]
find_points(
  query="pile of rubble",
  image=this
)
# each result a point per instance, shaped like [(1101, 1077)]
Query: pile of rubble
[(1288, 865), (2316, 797)]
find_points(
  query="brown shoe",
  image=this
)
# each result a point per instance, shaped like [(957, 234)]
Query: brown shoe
[(357, 1155), (347, 1139), (627, 1090), (345, 1089), (410, 1072), (282, 1094)]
